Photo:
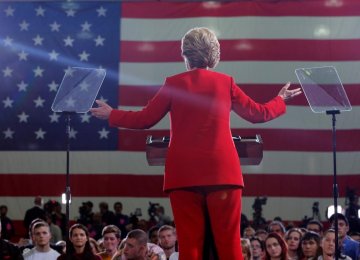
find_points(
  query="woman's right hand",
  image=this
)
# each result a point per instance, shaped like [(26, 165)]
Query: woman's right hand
[(102, 111)]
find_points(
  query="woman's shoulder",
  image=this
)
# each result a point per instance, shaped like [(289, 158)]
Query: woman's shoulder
[(198, 72)]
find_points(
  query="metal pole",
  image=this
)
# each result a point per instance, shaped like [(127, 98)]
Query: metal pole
[(335, 186)]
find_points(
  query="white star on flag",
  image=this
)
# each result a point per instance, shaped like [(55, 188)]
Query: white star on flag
[(72, 133), (38, 40), (70, 12), (40, 134), (7, 72), (69, 41), (40, 11), (99, 41), (53, 86), (24, 26), (103, 133), (8, 41), (9, 11), (85, 118), (38, 72), (86, 26), (8, 133), (84, 86), (54, 117), (70, 102), (23, 55), (39, 102), (8, 102), (54, 55), (84, 56), (101, 11), (69, 71), (55, 27), (23, 117), (22, 86)]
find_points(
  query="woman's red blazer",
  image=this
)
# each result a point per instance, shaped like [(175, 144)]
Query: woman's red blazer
[(201, 150)]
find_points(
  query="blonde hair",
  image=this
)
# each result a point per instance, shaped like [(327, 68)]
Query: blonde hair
[(246, 249), (201, 48)]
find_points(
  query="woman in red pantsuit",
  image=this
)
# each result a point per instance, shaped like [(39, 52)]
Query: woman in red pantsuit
[(202, 170)]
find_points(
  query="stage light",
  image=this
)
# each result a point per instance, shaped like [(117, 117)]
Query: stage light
[(63, 199), (331, 210)]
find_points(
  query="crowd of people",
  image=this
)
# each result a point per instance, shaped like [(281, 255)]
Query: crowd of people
[(294, 243), (107, 235)]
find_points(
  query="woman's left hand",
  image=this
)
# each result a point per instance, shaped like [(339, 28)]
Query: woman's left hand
[(287, 94)]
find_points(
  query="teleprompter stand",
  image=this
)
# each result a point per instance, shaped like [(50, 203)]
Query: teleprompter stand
[(76, 94), (326, 94)]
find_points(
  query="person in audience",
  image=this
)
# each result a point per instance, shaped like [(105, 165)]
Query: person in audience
[(86, 214), (55, 230), (249, 232), (261, 234), (61, 245), (257, 248), (310, 246), (107, 216), (9, 250), (174, 256), (7, 229), (278, 227), (275, 247), (79, 247), (41, 237), (315, 226), (293, 238), (347, 245), (94, 246), (35, 212), (59, 218), (96, 227), (246, 249), (355, 235), (153, 235), (162, 218), (167, 239), (202, 172), (136, 247), (120, 220), (155, 252), (28, 243), (328, 247), (111, 236)]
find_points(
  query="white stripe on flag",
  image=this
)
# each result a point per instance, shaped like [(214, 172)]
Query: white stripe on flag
[(253, 27), (309, 163), (252, 72)]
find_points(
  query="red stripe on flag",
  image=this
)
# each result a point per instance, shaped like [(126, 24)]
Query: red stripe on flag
[(109, 185), (296, 185), (248, 49), (166, 10), (274, 139), (125, 185)]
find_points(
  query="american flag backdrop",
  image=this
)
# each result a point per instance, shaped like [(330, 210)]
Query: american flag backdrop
[(138, 44)]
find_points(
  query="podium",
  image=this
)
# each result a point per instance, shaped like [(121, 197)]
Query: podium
[(249, 149)]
